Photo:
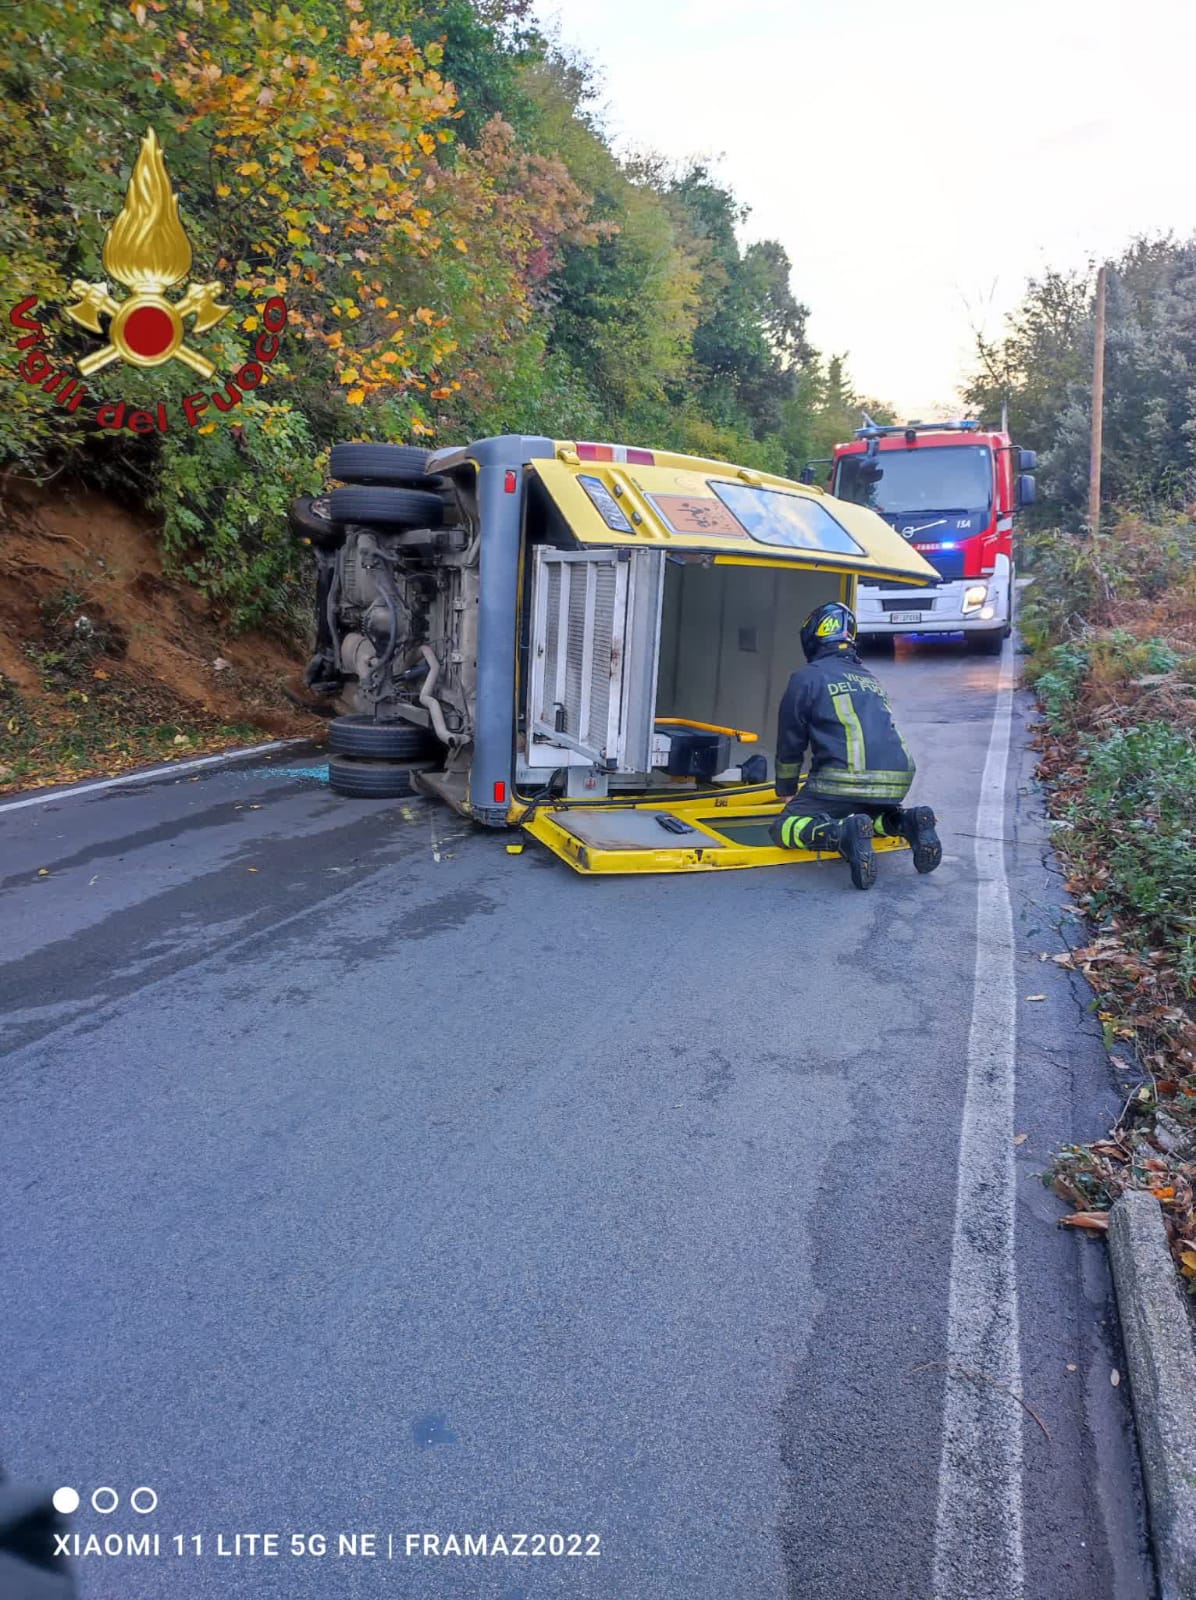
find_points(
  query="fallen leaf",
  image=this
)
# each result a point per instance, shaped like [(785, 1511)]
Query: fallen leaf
[(1115, 1377), (253, 869), (1071, 1366), (1187, 1263), (43, 872), (1020, 1138), (1112, 1152), (1094, 1221), (1036, 997)]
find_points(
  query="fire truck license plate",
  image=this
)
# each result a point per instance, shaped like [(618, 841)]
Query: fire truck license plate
[(904, 616)]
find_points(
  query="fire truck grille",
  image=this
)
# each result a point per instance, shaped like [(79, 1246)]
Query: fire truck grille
[(947, 563)]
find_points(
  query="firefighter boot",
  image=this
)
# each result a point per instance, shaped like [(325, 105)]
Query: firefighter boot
[(915, 824), (851, 838), (855, 846)]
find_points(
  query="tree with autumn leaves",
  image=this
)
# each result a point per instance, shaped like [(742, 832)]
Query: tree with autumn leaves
[(459, 249)]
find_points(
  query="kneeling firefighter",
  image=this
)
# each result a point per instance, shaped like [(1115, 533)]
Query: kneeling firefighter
[(860, 768)]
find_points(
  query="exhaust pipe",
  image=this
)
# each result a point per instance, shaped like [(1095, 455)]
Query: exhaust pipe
[(427, 697)]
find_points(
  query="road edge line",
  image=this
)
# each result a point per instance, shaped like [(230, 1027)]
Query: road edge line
[(145, 774), (1161, 1359), (978, 1551)]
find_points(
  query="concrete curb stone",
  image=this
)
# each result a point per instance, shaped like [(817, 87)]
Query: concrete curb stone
[(1161, 1357)]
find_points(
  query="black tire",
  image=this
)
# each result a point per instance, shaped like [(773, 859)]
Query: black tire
[(382, 741), (377, 463), (984, 644), (369, 780), (393, 508), (310, 518)]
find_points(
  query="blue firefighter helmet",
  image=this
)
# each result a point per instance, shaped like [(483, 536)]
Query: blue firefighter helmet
[(829, 627)]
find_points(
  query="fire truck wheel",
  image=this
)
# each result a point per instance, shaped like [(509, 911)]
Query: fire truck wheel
[(985, 644), (878, 644), (393, 508), (378, 463), (384, 741), (310, 519), (369, 780)]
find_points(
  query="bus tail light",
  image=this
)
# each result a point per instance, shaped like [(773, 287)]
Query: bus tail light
[(616, 452)]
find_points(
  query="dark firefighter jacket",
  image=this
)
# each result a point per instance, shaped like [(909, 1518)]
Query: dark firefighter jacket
[(838, 708)]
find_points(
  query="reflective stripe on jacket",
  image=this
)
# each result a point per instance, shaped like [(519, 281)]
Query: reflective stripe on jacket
[(841, 711)]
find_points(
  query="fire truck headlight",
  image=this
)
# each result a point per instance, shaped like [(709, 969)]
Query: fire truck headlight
[(974, 597), (987, 614)]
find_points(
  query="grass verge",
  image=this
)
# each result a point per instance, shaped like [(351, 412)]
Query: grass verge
[(100, 731), (1113, 661)]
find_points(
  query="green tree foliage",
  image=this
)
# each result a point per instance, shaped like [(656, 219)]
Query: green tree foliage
[(1043, 367), (823, 410), (460, 250), (750, 332)]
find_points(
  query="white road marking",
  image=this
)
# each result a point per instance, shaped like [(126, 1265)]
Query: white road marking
[(145, 774), (978, 1535)]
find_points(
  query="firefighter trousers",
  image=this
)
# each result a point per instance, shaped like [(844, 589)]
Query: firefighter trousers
[(808, 821)]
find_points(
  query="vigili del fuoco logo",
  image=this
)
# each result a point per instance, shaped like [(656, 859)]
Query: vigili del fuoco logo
[(147, 250)]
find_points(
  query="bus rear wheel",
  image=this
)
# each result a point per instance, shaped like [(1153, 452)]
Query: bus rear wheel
[(362, 779)]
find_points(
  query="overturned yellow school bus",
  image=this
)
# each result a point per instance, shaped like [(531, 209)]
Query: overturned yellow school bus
[(586, 641)]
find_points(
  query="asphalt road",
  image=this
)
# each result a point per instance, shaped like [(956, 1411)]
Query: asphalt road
[(358, 1176)]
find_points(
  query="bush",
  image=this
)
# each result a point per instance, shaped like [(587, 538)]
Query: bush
[(224, 501), (1057, 677), (1138, 814), (1076, 583), (1113, 667)]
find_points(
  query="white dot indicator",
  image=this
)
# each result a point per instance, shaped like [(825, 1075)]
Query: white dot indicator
[(104, 1510), (144, 1510), (66, 1500)]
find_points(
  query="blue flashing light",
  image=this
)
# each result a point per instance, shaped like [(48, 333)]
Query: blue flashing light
[(876, 430)]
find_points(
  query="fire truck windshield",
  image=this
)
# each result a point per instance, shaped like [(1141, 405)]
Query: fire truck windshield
[(923, 478)]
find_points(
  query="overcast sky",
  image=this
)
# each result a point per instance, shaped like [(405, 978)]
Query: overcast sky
[(918, 159)]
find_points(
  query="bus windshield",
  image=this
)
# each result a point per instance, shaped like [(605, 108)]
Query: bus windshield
[(924, 478)]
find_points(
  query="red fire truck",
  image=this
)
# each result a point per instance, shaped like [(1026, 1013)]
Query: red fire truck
[(952, 491)]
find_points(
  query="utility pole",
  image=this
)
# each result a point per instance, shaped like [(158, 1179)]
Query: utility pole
[(1098, 409)]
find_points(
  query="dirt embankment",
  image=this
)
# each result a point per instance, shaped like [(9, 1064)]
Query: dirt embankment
[(106, 662)]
